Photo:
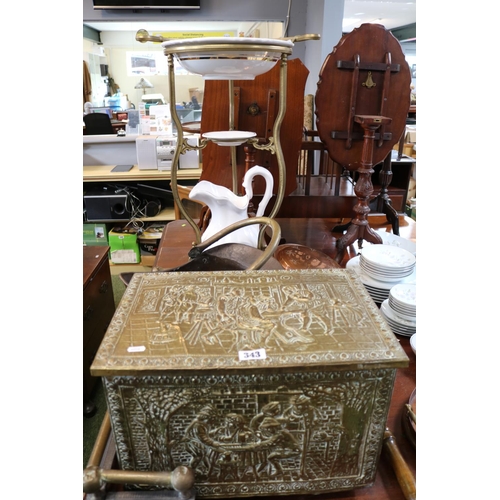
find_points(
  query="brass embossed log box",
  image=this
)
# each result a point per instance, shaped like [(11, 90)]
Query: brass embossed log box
[(263, 382)]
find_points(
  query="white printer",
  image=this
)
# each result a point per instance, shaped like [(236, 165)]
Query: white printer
[(156, 152)]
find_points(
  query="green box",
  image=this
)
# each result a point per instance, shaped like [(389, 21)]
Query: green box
[(124, 248), (95, 234)]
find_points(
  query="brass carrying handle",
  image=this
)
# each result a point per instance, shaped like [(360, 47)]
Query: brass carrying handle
[(143, 36), (180, 479), (197, 250), (403, 473), (411, 413)]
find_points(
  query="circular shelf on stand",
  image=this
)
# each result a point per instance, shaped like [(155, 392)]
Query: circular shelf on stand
[(229, 137)]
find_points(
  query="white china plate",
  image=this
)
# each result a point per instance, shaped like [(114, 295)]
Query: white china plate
[(385, 269), (392, 316), (403, 330), (387, 278), (397, 241), (407, 315), (399, 330), (397, 306), (388, 256), (391, 239), (405, 294), (229, 137), (413, 343), (380, 285)]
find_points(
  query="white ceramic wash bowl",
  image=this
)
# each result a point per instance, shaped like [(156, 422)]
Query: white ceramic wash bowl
[(228, 58)]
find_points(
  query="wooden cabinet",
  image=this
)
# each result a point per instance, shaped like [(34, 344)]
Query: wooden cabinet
[(400, 181), (98, 309)]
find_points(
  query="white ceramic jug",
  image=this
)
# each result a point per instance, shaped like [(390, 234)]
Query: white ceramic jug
[(227, 208)]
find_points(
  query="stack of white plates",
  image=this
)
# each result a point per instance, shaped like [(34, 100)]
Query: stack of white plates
[(389, 239), (387, 263), (403, 300), (378, 290), (398, 324), (400, 309)]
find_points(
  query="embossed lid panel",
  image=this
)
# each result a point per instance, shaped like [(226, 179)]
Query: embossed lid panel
[(246, 320)]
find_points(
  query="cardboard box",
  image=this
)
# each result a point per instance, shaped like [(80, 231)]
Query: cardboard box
[(411, 134), (95, 234), (149, 240), (408, 149), (148, 260), (124, 248)]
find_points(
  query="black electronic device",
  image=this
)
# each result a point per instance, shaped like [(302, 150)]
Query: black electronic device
[(165, 196), (106, 204), (146, 4), (152, 208)]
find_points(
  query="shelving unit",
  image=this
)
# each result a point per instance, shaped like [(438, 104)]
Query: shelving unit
[(95, 174), (102, 173)]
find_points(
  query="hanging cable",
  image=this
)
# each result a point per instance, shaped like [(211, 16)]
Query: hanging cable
[(285, 28)]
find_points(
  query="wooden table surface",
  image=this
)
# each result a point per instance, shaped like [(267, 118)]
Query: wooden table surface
[(173, 250), (178, 237)]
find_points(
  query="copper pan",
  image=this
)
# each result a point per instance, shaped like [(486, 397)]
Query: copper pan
[(292, 256)]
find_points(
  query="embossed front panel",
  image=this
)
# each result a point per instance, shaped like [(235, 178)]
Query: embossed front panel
[(254, 434)]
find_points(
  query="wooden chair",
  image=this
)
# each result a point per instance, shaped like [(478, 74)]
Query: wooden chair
[(195, 209), (329, 169), (192, 207)]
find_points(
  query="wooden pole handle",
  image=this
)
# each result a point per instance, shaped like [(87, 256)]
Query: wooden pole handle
[(403, 472)]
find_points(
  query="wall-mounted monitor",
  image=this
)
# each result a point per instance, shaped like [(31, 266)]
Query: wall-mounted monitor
[(146, 4)]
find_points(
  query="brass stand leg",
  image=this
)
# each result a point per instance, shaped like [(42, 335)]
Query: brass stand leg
[(359, 228)]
